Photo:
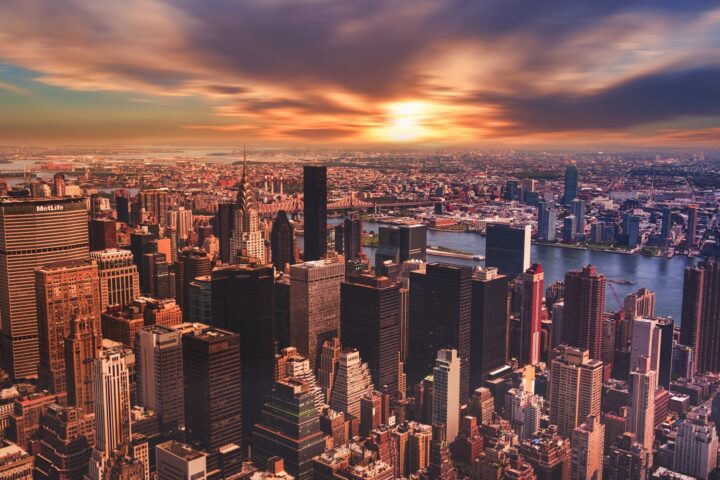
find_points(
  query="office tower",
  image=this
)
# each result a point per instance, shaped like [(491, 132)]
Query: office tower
[(156, 203), (59, 184), (282, 241), (223, 225), (468, 446), (440, 304), (512, 190), (178, 461), (157, 280), (112, 398), (212, 382), (549, 454), (370, 412), (692, 223), (523, 409), (682, 361), (352, 238), (666, 326), (289, 364), (102, 233), (640, 304), (547, 222), (67, 435), (290, 429), (531, 314), (64, 290), (352, 382), (181, 220), (191, 263), (15, 463), (642, 410), (200, 299), (627, 460), (315, 305), (35, 232), (141, 242), (700, 327), (441, 466), (558, 310), (583, 311), (119, 278), (646, 341), (569, 229), (446, 392), (631, 230), (246, 239), (242, 302), (571, 184), (122, 325), (575, 388), (315, 212), (488, 324), (578, 210), (164, 312), (329, 363), (160, 376), (482, 405), (122, 205), (81, 348), (370, 322), (696, 446), (507, 248), (587, 449), (666, 226), (398, 244)]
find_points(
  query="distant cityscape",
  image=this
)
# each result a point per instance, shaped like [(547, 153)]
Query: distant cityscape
[(245, 313)]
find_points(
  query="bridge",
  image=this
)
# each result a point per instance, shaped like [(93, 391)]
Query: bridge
[(350, 202)]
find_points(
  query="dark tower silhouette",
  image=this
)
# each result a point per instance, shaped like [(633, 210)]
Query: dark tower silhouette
[(571, 184), (315, 213), (282, 242), (700, 327), (488, 325), (583, 312)]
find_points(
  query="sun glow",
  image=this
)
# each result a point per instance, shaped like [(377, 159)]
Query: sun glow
[(406, 121)]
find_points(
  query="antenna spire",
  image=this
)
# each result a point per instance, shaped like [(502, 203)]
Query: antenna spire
[(244, 162)]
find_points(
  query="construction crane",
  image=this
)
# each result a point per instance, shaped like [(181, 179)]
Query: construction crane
[(617, 297)]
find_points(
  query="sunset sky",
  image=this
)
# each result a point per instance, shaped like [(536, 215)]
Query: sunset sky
[(360, 72)]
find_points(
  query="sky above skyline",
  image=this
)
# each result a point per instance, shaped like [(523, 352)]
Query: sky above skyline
[(361, 72)]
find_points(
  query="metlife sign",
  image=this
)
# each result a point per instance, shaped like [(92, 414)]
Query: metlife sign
[(49, 208)]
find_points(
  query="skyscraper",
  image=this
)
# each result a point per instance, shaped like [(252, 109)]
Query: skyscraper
[(441, 466), (103, 233), (223, 228), (575, 388), (696, 445), (34, 231), (531, 314), (640, 304), (353, 381), (446, 392), (160, 376), (627, 460), (290, 429), (242, 302), (64, 290), (282, 242), (119, 278), (700, 327), (631, 230), (549, 454), (666, 326), (583, 310), (246, 239), (315, 305), (315, 212), (642, 409), (177, 461), (81, 349), (666, 226), (691, 226), (646, 341), (547, 222), (578, 210), (191, 263), (571, 184), (156, 203), (507, 248), (488, 324), (370, 322), (587, 449), (352, 238), (67, 435), (440, 310), (401, 243), (523, 409)]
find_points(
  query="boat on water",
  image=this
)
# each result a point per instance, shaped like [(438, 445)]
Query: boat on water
[(621, 281)]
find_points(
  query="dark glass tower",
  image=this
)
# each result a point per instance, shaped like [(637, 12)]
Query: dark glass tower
[(401, 243), (191, 263), (700, 327), (666, 326), (571, 184), (352, 238), (290, 429), (440, 309), (583, 311), (370, 322), (315, 212), (242, 302), (488, 325), (223, 229), (507, 248), (282, 242)]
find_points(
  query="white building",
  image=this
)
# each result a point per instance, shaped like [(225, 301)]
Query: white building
[(446, 392), (696, 446)]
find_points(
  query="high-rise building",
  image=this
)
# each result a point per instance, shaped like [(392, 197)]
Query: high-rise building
[(571, 184), (282, 242), (642, 410), (122, 205), (246, 239), (440, 311), (81, 349), (119, 278), (223, 223), (631, 230), (191, 263), (646, 341), (640, 304), (352, 238), (242, 302), (160, 376), (15, 463), (549, 454), (666, 326), (627, 460), (178, 461), (696, 446), (370, 322), (200, 299), (213, 388), (315, 212), (290, 364), (352, 382), (575, 388), (578, 210), (441, 466), (700, 327), (112, 398), (102, 233), (507, 248), (156, 203), (370, 412), (488, 324), (64, 290), (583, 310), (181, 220), (446, 392), (692, 223), (315, 305), (290, 429), (587, 449), (35, 231), (67, 435), (547, 222), (666, 226), (398, 244), (569, 229), (523, 409), (531, 314)]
